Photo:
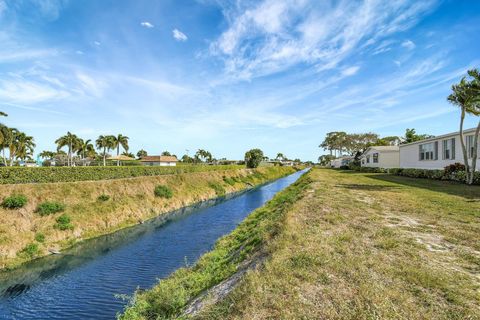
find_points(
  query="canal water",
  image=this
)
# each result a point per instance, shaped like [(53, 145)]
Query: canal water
[(92, 280)]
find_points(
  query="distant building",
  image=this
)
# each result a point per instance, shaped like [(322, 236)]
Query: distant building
[(437, 152), (381, 157), (167, 161), (340, 162)]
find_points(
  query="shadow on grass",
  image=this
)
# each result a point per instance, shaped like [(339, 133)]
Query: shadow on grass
[(472, 193)]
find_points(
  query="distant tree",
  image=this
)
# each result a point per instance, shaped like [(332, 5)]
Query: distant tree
[(280, 157), (297, 160), (142, 153), (86, 149), (166, 153), (389, 141), (47, 154), (203, 156), (335, 142), (253, 158), (104, 143), (466, 95), (324, 160), (72, 142), (187, 159), (128, 154), (412, 136), (21, 146), (120, 141)]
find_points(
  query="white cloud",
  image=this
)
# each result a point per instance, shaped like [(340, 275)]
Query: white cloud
[(408, 44), (97, 43), (350, 71), (178, 35), (28, 92), (272, 36), (3, 7), (146, 24)]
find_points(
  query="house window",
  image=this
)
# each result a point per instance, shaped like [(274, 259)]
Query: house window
[(368, 159), (428, 151), (375, 158), (449, 149), (470, 144)]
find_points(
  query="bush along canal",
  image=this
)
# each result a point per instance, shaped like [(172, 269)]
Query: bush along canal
[(91, 280)]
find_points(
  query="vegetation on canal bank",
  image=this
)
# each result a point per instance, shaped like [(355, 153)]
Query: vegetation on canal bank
[(170, 296), (65, 213), (368, 246)]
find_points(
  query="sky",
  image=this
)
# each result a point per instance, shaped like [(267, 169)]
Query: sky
[(227, 76)]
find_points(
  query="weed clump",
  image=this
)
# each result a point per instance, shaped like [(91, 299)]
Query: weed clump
[(40, 237), (63, 223), (219, 189), (15, 201), (162, 191), (49, 207), (103, 197), (30, 250)]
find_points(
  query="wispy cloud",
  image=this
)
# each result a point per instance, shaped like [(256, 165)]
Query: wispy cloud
[(179, 35), (273, 36), (146, 24), (408, 44)]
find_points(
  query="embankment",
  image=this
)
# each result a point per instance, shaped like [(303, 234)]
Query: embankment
[(93, 208)]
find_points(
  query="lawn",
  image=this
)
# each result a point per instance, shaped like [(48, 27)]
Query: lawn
[(368, 246)]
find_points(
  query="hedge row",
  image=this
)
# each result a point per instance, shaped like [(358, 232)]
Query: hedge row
[(458, 176), (13, 175)]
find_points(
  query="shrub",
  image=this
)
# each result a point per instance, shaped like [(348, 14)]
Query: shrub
[(63, 223), (50, 207), (219, 189), (31, 250), (40, 237), (103, 197), (230, 181), (14, 201), (11, 175), (453, 168), (162, 191)]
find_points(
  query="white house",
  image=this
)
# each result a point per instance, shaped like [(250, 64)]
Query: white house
[(437, 152), (168, 161), (381, 157), (342, 161)]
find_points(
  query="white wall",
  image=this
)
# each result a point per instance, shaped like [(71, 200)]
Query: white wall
[(409, 155), (386, 159)]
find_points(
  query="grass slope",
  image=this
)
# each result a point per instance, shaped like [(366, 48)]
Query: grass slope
[(369, 246), (170, 296), (93, 208)]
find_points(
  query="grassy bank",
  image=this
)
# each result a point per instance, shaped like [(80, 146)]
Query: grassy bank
[(170, 296), (369, 246), (57, 215), (13, 175)]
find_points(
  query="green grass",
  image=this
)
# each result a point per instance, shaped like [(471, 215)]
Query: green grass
[(64, 222), (168, 298), (368, 246), (219, 189), (162, 191)]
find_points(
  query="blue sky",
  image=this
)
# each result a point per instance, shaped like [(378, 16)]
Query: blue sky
[(228, 76)]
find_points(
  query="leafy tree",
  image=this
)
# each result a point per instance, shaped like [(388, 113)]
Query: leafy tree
[(203, 156), (166, 153), (324, 160), (21, 146), (120, 140), (128, 154), (253, 158), (187, 159), (85, 149), (335, 141), (104, 143), (3, 114), (142, 153), (466, 95), (72, 142), (280, 157), (412, 136)]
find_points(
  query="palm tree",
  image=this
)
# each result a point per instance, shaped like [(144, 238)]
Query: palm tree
[(72, 142), (47, 154), (7, 135), (3, 114), (104, 143), (120, 140), (280, 156), (21, 146), (466, 96), (85, 149)]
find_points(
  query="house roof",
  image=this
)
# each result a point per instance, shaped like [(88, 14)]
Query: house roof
[(121, 158), (443, 136), (159, 159), (381, 149)]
